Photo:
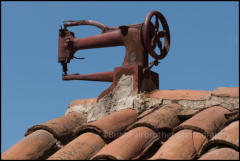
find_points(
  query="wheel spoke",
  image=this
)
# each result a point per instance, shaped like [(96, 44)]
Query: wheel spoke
[(154, 42), (159, 45), (161, 34), (156, 24)]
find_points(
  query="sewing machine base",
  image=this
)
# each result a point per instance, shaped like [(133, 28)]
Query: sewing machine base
[(141, 82)]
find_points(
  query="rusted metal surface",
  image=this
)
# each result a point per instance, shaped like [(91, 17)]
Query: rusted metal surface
[(103, 76), (81, 148), (111, 126), (99, 41), (138, 39), (130, 146), (61, 128), (85, 22), (34, 146), (209, 121), (184, 145), (155, 62)]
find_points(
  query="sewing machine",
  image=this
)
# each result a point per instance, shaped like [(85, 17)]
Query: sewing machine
[(138, 39)]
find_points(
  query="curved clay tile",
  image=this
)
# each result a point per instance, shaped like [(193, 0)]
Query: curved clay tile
[(83, 101), (180, 95), (184, 145), (228, 137), (131, 145), (81, 148), (226, 91), (208, 121), (221, 154), (165, 117), (62, 128), (34, 146), (233, 116), (110, 126)]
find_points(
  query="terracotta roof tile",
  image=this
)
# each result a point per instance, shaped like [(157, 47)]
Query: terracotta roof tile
[(81, 148), (37, 145), (226, 91), (110, 126), (180, 94), (131, 145), (233, 116), (61, 128), (183, 145), (208, 121), (165, 117), (83, 101), (221, 154), (228, 137)]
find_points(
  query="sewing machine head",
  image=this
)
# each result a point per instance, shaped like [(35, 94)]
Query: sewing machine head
[(138, 39)]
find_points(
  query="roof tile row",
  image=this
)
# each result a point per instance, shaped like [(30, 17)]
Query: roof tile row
[(63, 127), (93, 136), (162, 133), (191, 135)]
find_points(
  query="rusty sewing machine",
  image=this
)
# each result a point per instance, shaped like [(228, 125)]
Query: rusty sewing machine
[(138, 39)]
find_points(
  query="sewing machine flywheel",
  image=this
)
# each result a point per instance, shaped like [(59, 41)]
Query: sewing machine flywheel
[(152, 35)]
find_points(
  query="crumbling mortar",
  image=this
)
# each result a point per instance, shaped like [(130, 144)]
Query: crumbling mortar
[(59, 145), (192, 106), (124, 97)]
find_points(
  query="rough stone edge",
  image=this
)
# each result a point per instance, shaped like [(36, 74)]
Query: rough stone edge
[(143, 104)]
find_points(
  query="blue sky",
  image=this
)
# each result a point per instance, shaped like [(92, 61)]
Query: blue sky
[(203, 55)]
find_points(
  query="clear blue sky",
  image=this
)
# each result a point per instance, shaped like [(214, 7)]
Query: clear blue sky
[(203, 55)]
